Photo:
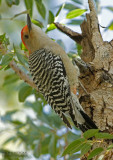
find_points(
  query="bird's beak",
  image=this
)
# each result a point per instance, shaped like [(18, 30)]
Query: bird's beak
[(29, 22)]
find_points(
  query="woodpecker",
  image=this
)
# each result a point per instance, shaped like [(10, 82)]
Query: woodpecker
[(55, 76)]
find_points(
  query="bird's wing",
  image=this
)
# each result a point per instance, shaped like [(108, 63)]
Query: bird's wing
[(50, 77)]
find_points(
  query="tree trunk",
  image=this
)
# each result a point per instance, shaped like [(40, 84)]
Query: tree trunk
[(96, 76)]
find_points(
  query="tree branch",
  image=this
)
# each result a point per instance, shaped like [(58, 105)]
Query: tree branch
[(22, 75), (77, 37), (96, 36)]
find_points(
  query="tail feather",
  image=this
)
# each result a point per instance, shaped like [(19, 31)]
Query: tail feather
[(79, 117), (66, 121), (89, 124)]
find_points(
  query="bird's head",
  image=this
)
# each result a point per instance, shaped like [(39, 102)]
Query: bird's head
[(33, 37), (26, 33)]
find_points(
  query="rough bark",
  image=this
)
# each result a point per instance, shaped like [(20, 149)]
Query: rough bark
[(96, 78), (99, 81)]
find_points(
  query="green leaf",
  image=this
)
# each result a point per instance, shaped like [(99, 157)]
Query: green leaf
[(79, 49), (2, 37), (8, 116), (24, 93), (1, 56), (7, 59), (38, 23), (44, 129), (75, 22), (21, 58), (81, 147), (4, 40), (70, 6), (85, 148), (10, 79), (52, 146), (72, 136), (56, 120), (9, 155), (13, 138), (95, 152), (9, 2), (41, 8), (29, 5), (51, 27), (23, 47), (109, 8), (12, 2), (69, 149), (45, 144), (0, 2), (16, 2), (59, 10), (110, 147), (90, 133), (17, 123), (50, 18), (78, 1), (6, 68), (75, 13), (111, 26), (37, 150), (104, 136), (36, 106)]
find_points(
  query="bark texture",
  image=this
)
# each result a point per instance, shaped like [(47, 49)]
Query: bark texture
[(96, 75), (97, 78)]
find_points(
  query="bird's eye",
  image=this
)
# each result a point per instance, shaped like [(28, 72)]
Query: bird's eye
[(26, 36)]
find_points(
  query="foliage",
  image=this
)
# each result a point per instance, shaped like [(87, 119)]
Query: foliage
[(84, 144), (75, 13), (44, 133)]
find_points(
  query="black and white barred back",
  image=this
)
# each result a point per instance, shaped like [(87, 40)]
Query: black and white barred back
[(50, 77)]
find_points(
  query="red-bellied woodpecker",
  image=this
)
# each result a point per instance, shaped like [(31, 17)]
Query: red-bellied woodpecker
[(55, 76)]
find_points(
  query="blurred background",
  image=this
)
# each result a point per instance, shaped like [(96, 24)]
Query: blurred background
[(29, 129)]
